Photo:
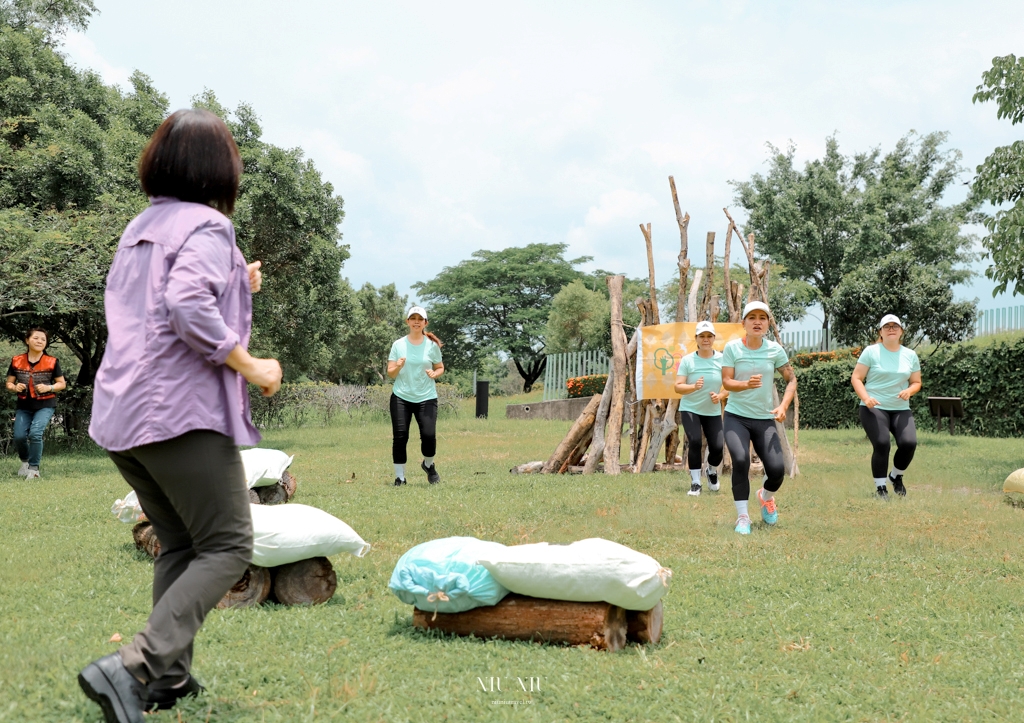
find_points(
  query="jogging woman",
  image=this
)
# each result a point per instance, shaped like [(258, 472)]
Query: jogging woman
[(415, 363), (887, 375), (35, 377), (699, 380), (748, 372)]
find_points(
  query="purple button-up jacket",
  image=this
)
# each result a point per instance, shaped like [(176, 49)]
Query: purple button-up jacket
[(178, 301)]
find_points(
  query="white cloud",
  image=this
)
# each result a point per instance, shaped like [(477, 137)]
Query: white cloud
[(617, 205), (83, 52)]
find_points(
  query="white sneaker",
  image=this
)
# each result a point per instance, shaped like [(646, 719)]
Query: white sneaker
[(694, 490), (32, 474), (23, 470), (712, 474)]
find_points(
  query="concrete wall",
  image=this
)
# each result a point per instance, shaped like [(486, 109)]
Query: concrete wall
[(567, 409)]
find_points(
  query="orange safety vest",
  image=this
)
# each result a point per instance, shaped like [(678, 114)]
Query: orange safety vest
[(30, 375)]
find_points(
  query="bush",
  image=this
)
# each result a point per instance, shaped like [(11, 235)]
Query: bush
[(989, 379), (815, 357), (586, 386)]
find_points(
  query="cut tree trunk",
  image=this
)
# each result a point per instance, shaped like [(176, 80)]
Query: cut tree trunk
[(576, 456), (596, 452), (644, 626), (306, 582), (583, 424), (518, 617), (656, 317), (251, 589), (274, 494), (613, 434), (145, 538), (691, 302), (682, 261)]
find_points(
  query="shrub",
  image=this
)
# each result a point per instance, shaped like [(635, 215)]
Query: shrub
[(586, 386), (814, 357)]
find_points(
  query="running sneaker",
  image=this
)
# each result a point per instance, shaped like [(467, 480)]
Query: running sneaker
[(897, 485), (694, 490), (743, 524), (399, 481), (33, 473), (768, 512), (432, 476), (882, 492), (23, 470), (712, 475)]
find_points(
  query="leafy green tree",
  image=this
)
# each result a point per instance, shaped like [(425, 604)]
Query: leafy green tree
[(839, 212), (51, 17), (377, 319), (580, 319), (498, 302), (898, 284), (1000, 178)]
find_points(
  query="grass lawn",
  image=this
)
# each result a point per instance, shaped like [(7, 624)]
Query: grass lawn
[(850, 609)]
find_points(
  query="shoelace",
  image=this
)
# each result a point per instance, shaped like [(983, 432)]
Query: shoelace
[(742, 518), (767, 504), (434, 597)]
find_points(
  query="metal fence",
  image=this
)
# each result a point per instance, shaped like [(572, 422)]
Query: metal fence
[(993, 321), (562, 367), (808, 340)]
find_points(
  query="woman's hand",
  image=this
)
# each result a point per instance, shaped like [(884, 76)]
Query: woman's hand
[(20, 387), (779, 413), (433, 373), (871, 402), (40, 390), (718, 397), (255, 276), (699, 384), (904, 395), (755, 383), (264, 373)]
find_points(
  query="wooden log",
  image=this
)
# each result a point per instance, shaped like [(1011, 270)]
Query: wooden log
[(518, 617), (274, 494), (579, 429), (306, 582), (251, 589), (145, 538), (618, 403), (650, 272), (645, 437), (683, 260), (662, 424), (528, 468), (289, 483), (254, 497), (709, 279), (644, 626), (730, 299), (672, 445), (691, 302), (596, 452), (715, 308), (576, 456)]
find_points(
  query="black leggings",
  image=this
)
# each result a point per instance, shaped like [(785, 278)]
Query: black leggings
[(693, 424), (878, 423), (402, 413), (739, 433)]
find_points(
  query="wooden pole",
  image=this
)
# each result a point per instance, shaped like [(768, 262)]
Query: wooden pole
[(614, 433), (600, 422), (583, 424), (730, 299), (709, 278), (691, 304), (683, 261), (650, 273)]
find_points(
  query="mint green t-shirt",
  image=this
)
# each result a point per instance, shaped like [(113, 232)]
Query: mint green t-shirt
[(888, 375), (746, 362), (692, 367), (412, 383)]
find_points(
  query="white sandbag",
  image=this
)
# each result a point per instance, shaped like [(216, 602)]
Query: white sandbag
[(1015, 482), (264, 467), (289, 533), (128, 510), (591, 570)]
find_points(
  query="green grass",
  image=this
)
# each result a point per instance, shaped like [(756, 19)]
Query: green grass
[(850, 609)]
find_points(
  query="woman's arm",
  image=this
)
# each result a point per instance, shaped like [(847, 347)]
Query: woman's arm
[(731, 385), (914, 388), (395, 366), (264, 373), (437, 371), (58, 384), (719, 396), (14, 386), (683, 388), (860, 373), (787, 397)]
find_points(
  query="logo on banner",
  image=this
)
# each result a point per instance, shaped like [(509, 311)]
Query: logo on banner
[(664, 360)]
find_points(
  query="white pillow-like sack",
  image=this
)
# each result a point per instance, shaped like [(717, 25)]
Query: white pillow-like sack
[(128, 510), (289, 533), (591, 570), (264, 467)]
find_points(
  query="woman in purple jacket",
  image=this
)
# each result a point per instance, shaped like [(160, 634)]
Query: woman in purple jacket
[(170, 404)]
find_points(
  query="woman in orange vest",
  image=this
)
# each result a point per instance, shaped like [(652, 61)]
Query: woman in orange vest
[(35, 377)]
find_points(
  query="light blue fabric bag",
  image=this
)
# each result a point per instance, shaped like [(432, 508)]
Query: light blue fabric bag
[(444, 576)]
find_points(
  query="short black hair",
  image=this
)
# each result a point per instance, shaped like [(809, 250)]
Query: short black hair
[(33, 330), (192, 157)]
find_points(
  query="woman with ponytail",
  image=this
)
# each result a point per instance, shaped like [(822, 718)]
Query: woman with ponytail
[(414, 363)]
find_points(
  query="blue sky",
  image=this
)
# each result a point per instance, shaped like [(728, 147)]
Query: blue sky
[(450, 127)]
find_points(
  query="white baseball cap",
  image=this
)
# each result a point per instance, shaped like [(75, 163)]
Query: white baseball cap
[(890, 319), (417, 310), (703, 326), (754, 306)]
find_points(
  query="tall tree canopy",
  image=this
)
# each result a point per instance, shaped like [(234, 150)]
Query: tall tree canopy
[(377, 319), (1000, 178), (579, 320), (69, 146), (499, 301), (841, 212)]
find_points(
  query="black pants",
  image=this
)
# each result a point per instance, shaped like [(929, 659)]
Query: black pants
[(402, 413), (711, 425), (878, 423), (740, 432), (192, 488)]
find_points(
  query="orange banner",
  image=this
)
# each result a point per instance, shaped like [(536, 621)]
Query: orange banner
[(660, 349)]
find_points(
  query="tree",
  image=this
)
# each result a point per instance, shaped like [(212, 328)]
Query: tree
[(52, 17), (899, 285), (839, 212), (498, 301), (377, 319), (1000, 178), (579, 320)]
